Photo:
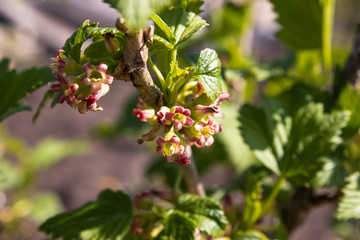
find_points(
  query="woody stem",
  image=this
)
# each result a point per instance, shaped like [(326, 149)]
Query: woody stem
[(191, 176)]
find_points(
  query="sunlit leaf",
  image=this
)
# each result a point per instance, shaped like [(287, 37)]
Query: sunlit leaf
[(10, 175), (332, 174), (253, 195), (159, 44), (207, 70), (206, 212), (250, 235), (137, 12), (49, 151), (189, 5), (177, 225), (349, 207), (349, 99), (44, 206), (182, 24), (74, 43), (291, 134)]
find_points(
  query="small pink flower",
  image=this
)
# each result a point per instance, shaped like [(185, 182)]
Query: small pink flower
[(182, 159), (179, 116), (223, 96), (144, 115), (200, 111), (161, 115), (169, 147), (201, 133), (62, 64), (75, 91), (96, 75)]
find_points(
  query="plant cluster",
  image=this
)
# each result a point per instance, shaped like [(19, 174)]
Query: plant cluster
[(297, 116)]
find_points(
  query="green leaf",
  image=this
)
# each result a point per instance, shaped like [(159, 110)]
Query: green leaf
[(231, 20), (189, 5), (349, 99), (137, 12), (97, 53), (291, 134), (208, 70), (255, 133), (349, 207), (308, 66), (48, 95), (253, 195), (301, 22), (73, 44), (182, 24), (16, 86), (107, 218), (100, 31), (206, 212), (313, 135), (164, 28), (332, 174), (250, 235), (159, 44), (44, 205), (177, 225), (19, 107), (10, 175), (234, 142), (49, 151)]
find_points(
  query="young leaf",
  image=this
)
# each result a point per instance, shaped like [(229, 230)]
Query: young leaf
[(349, 99), (207, 70), (182, 24), (16, 86), (189, 5), (290, 135), (100, 31), (137, 12), (159, 44), (349, 207), (164, 28), (314, 134), (107, 218), (97, 53), (207, 213), (255, 133), (250, 235), (177, 225), (253, 207), (72, 46), (332, 174), (301, 23)]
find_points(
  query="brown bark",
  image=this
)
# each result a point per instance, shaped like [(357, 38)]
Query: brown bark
[(133, 65)]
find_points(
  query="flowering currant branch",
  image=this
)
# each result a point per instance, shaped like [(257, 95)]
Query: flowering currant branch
[(183, 113)]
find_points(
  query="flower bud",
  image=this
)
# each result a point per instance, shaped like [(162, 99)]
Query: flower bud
[(112, 44)]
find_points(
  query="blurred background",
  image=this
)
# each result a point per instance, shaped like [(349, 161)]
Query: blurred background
[(78, 155)]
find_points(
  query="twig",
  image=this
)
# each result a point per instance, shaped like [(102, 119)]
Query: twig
[(191, 176), (133, 66)]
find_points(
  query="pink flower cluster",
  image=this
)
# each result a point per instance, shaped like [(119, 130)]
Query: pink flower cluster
[(183, 127), (81, 91)]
